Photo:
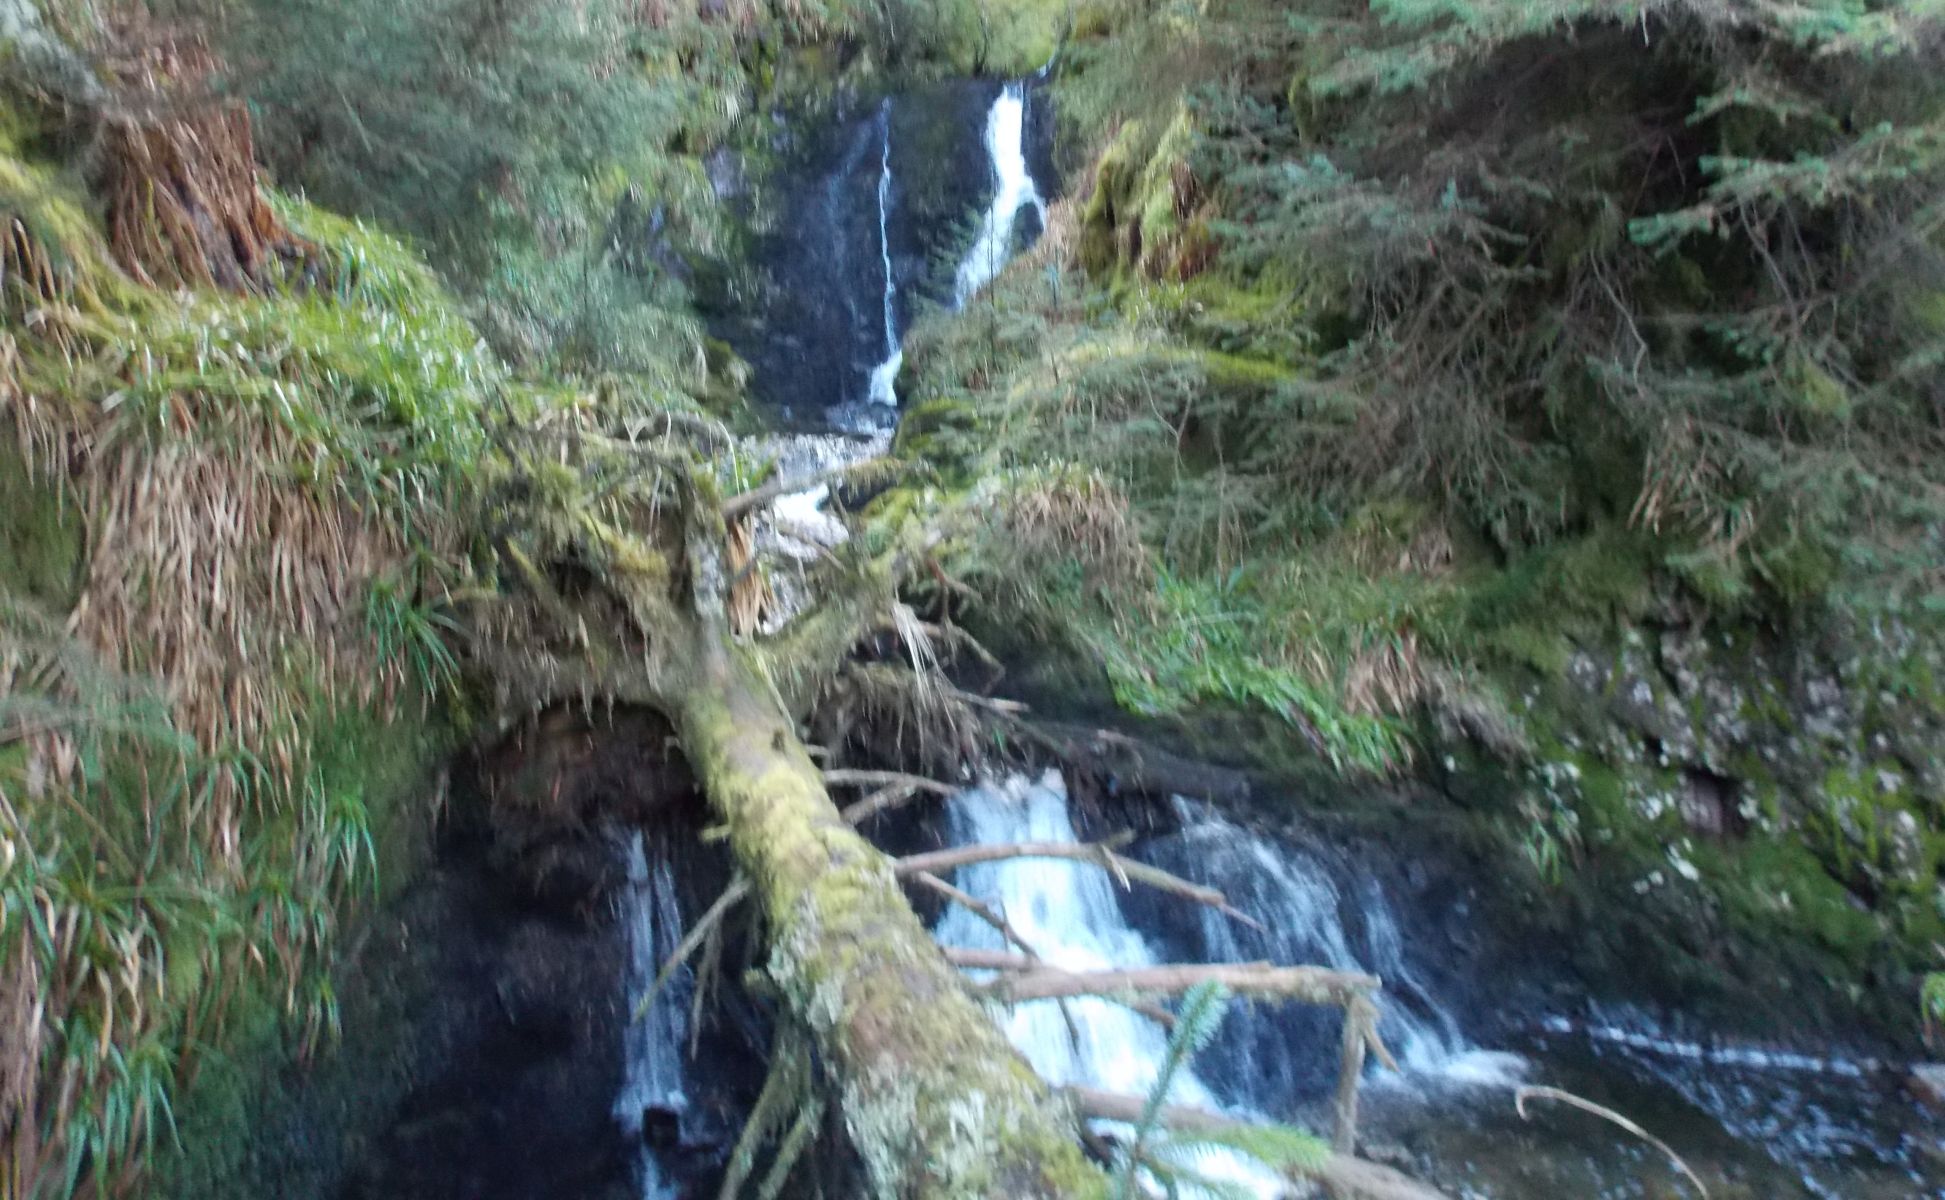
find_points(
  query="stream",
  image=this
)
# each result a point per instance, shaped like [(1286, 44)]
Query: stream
[(848, 272)]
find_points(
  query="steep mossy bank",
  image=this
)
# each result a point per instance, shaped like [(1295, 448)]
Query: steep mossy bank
[(1522, 403), (218, 660)]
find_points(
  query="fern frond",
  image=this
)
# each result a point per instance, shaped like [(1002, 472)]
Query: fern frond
[(1282, 1147)]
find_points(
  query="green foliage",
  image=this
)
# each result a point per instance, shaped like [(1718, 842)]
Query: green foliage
[(535, 150), (1195, 1028), (1623, 310), (1204, 644), (411, 637), (194, 781)]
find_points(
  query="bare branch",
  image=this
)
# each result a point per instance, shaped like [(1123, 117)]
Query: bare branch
[(1607, 1114), (1000, 960), (1346, 1177), (849, 778), (978, 908), (705, 924), (1124, 869), (777, 489), (894, 789), (1029, 979)]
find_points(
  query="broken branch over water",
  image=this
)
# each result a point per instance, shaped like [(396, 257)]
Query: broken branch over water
[(1102, 855), (1607, 1114), (1025, 978), (1346, 1176)]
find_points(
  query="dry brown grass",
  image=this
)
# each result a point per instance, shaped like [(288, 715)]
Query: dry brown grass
[(1077, 516), (220, 562)]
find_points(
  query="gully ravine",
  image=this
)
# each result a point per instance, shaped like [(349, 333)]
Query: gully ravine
[(563, 1075)]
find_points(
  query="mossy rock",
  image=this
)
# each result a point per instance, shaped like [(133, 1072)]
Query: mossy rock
[(42, 535), (1143, 213), (1110, 207)]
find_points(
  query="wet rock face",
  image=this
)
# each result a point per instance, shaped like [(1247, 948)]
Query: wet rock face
[(549, 796), (484, 1009), (515, 1049), (517, 1016), (807, 308), (1739, 811)]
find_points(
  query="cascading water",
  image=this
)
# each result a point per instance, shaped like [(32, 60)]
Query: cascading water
[(1301, 907), (1006, 147), (883, 390), (653, 1104), (1068, 913)]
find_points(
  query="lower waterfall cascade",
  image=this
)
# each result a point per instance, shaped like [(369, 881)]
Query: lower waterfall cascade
[(1771, 1110), (653, 1104), (1067, 912)]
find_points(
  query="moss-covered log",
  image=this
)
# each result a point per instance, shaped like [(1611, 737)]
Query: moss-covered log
[(934, 1099)]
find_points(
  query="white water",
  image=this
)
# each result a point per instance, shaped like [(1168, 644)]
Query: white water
[(1005, 146), (795, 532), (1068, 913), (1300, 906), (884, 377), (652, 1040)]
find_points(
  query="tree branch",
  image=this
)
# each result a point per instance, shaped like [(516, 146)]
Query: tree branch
[(1025, 978), (894, 789), (849, 778), (1102, 856), (1000, 960), (734, 894), (777, 489), (1606, 1114), (1347, 1177)]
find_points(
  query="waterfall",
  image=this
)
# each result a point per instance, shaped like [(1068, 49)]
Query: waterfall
[(652, 1105), (884, 377), (1308, 913), (1068, 913), (1006, 147)]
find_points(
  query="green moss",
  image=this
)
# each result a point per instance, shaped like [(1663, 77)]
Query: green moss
[(934, 1101), (1775, 889), (1159, 194), (1593, 584), (374, 774), (1110, 207), (42, 535), (1018, 37)]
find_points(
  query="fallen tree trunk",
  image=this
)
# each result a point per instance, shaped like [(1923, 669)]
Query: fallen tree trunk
[(1347, 1177), (934, 1098), (935, 1102)]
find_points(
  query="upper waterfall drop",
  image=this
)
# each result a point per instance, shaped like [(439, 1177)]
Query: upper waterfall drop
[(884, 377), (1006, 147)]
